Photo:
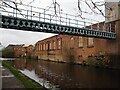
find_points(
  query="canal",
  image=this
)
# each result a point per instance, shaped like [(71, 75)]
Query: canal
[(69, 76)]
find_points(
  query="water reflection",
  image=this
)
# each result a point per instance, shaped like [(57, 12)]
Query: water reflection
[(3, 59), (71, 76)]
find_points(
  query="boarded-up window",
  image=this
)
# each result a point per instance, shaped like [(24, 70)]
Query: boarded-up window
[(80, 41), (90, 42)]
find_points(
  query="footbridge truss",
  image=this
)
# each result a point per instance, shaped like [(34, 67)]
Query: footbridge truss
[(30, 18)]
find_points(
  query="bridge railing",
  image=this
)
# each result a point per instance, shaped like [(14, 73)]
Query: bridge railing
[(44, 15)]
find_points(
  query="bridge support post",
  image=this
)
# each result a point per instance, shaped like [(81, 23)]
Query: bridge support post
[(0, 20)]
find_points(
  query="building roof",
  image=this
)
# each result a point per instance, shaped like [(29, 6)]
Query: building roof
[(12, 46)]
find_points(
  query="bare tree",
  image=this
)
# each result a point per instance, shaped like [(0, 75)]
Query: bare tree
[(94, 7), (11, 4)]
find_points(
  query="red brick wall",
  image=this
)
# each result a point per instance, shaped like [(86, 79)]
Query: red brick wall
[(51, 52), (18, 51), (21, 50), (70, 49)]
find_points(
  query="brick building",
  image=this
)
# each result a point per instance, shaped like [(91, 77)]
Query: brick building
[(9, 51), (23, 51), (66, 47)]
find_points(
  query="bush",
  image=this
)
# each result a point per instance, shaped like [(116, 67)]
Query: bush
[(100, 59)]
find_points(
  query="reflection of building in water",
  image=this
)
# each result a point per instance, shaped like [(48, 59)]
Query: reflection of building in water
[(22, 63), (19, 63)]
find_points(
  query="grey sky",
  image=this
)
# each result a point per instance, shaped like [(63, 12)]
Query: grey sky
[(8, 36)]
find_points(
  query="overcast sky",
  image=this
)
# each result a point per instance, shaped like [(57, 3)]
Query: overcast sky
[(9, 36)]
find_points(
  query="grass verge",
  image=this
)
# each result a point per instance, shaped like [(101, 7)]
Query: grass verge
[(28, 83)]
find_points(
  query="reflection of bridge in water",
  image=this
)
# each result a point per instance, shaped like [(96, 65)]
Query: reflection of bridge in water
[(27, 18)]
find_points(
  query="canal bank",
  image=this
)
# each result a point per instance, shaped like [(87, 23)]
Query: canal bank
[(89, 63), (20, 80)]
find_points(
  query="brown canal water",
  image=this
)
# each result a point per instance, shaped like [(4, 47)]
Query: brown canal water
[(70, 76)]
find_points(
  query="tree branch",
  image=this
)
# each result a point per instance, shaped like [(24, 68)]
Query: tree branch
[(95, 6), (90, 7), (79, 8)]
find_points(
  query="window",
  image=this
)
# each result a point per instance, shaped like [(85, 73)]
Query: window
[(22, 50), (59, 43), (80, 41), (72, 42), (50, 45), (37, 47), (54, 45), (41, 47), (90, 42), (44, 46)]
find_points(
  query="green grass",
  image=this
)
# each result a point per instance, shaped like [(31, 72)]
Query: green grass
[(28, 83)]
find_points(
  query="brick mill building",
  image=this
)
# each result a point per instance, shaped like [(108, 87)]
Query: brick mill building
[(23, 51), (64, 47), (78, 48)]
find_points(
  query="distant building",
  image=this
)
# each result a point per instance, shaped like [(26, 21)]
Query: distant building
[(23, 51), (9, 51), (12, 46)]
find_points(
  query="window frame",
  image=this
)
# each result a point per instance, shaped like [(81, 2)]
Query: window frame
[(89, 43), (80, 42)]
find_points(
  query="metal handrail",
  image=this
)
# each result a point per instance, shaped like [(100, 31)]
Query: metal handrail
[(50, 16)]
